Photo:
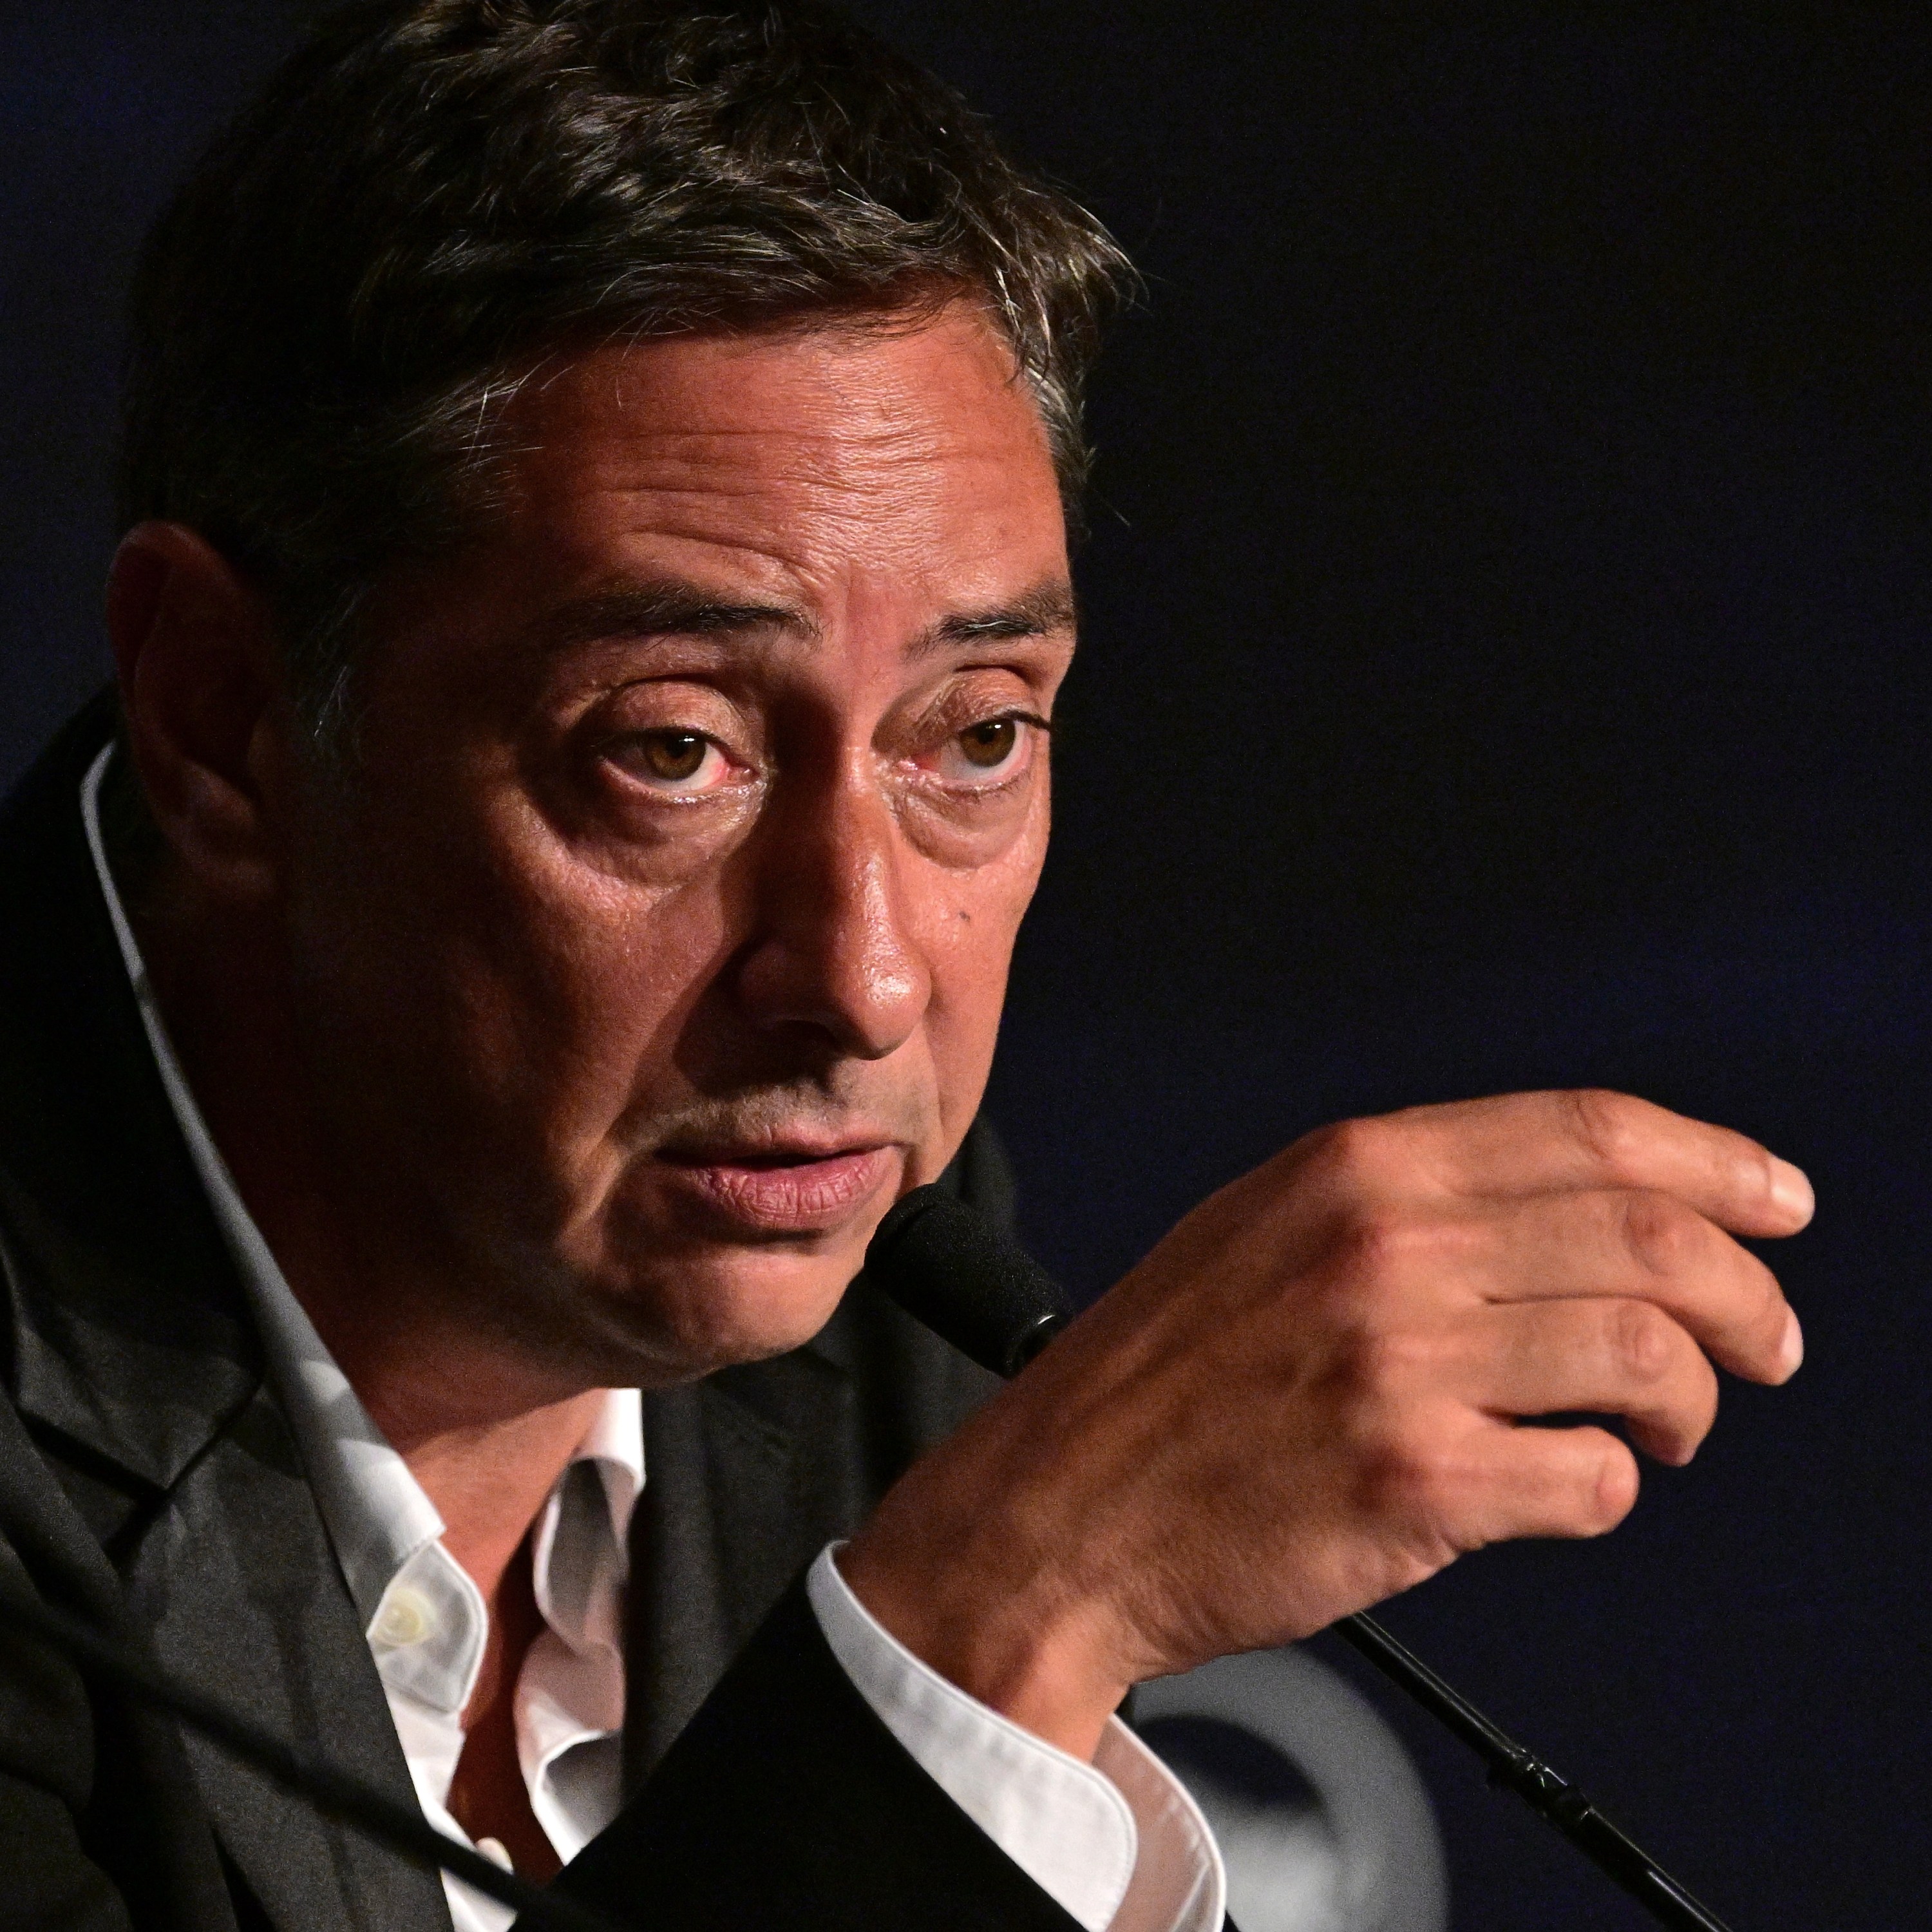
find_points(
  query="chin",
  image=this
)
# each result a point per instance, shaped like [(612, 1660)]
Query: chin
[(720, 1306)]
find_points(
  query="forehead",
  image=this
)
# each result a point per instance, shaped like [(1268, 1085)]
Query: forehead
[(906, 449)]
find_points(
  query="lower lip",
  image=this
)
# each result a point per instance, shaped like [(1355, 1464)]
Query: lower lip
[(808, 1198)]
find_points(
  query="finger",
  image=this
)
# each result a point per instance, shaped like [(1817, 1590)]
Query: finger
[(1545, 1482), (1599, 1357), (1525, 1144), (1647, 1246)]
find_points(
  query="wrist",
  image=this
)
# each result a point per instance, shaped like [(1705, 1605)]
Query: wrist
[(1000, 1629)]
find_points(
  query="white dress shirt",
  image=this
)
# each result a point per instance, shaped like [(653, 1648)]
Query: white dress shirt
[(1118, 1844)]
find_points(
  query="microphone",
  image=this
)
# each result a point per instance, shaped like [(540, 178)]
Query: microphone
[(949, 1266), (967, 1280)]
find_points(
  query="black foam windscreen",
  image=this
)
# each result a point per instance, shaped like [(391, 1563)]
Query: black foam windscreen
[(961, 1274)]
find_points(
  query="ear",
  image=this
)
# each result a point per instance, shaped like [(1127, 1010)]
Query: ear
[(194, 651)]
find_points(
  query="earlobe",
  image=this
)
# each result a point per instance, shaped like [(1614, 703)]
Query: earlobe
[(195, 657)]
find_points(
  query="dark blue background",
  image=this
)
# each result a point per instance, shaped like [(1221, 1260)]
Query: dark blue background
[(1505, 665)]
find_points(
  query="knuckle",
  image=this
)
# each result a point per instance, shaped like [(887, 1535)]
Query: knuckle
[(1756, 1170), (1376, 1365), (1663, 1236), (1374, 1242), (1605, 1124), (1409, 1476), (1358, 1151), (1642, 1342)]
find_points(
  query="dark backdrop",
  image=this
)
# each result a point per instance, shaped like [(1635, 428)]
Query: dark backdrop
[(1505, 666)]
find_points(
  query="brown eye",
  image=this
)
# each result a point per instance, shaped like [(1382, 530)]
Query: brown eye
[(673, 756), (677, 763), (990, 743)]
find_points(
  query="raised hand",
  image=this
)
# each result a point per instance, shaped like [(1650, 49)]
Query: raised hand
[(1309, 1396)]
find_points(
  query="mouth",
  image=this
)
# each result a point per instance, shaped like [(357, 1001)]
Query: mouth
[(781, 1188)]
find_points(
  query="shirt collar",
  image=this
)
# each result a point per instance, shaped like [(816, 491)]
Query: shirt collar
[(378, 1516)]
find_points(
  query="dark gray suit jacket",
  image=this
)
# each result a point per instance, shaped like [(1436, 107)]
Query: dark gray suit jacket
[(147, 1477)]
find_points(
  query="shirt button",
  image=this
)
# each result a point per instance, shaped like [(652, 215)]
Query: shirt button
[(407, 1617)]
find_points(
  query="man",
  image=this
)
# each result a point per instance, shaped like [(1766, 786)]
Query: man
[(586, 636)]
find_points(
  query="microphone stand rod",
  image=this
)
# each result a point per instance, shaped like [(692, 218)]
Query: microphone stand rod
[(1552, 1796), (400, 1828)]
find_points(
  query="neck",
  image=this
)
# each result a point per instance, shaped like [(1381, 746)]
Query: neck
[(488, 1484)]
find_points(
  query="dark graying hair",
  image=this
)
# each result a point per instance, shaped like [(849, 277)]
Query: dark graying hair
[(432, 195)]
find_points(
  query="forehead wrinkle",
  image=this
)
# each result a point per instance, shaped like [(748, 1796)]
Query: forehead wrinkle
[(865, 433), (803, 527), (775, 507), (822, 473), (850, 415)]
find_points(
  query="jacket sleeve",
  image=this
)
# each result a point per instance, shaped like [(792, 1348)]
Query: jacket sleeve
[(787, 1803)]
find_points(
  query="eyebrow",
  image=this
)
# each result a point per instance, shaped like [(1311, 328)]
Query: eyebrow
[(665, 607), (1038, 613), (669, 607)]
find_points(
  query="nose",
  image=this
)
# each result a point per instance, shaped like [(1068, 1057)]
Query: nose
[(834, 952)]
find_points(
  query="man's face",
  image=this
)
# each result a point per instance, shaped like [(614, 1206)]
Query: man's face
[(664, 941)]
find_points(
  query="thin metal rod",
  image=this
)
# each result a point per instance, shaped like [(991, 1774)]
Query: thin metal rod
[(1550, 1796), (401, 1829)]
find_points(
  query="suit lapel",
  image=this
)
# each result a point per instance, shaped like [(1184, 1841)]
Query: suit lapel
[(238, 1578), (743, 1485)]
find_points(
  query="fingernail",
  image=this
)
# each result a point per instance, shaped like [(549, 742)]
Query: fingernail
[(1790, 1189), (1792, 1351)]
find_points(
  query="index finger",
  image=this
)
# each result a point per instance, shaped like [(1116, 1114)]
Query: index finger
[(1516, 1145)]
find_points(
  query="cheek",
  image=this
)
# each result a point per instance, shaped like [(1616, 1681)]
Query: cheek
[(969, 950), (579, 990), (502, 991)]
